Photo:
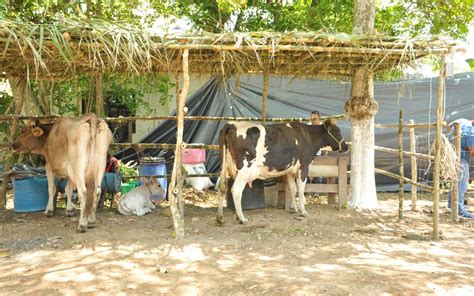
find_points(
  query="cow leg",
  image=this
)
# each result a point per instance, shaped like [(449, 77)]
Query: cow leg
[(69, 190), (91, 216), (237, 189), (301, 183), (292, 185), (51, 192)]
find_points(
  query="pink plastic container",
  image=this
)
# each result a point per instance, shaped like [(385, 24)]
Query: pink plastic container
[(193, 156)]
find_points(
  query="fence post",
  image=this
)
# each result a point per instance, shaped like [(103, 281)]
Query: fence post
[(400, 159), (454, 183), (437, 160), (414, 168)]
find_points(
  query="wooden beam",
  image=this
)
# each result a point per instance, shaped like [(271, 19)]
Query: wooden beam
[(414, 167), (175, 193), (395, 176), (400, 160), (437, 160), (264, 96)]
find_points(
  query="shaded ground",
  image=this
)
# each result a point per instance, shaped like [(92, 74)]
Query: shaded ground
[(332, 252)]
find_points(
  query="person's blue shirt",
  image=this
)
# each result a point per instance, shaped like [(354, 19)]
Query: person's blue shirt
[(467, 140)]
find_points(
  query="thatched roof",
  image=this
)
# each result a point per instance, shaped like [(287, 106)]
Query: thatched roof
[(68, 47)]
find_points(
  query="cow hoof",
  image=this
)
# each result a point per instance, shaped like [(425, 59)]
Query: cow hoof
[(243, 221), (91, 225), (304, 214), (48, 213), (81, 228), (220, 220), (70, 213)]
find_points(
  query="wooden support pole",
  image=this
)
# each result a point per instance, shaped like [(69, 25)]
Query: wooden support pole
[(18, 86), (436, 172), (264, 96), (397, 177), (99, 94), (175, 192), (130, 131), (400, 160), (414, 172), (454, 183)]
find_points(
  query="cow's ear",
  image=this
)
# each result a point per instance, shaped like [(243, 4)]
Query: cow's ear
[(37, 131), (144, 180)]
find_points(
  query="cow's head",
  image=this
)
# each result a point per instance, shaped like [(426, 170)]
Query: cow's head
[(32, 138), (334, 136), (154, 187)]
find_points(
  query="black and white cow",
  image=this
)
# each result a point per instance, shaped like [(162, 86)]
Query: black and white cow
[(252, 151)]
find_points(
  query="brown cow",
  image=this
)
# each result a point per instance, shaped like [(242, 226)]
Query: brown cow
[(74, 148)]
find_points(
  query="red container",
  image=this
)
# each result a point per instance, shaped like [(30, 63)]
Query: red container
[(193, 156)]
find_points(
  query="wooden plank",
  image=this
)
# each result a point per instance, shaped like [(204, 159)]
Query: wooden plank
[(414, 172), (331, 194), (329, 188), (325, 160), (342, 183)]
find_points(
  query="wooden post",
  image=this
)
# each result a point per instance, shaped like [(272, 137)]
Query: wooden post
[(414, 172), (175, 192), (78, 99), (342, 184), (454, 182), (264, 96), (99, 94), (400, 159), (437, 160), (18, 86), (130, 131)]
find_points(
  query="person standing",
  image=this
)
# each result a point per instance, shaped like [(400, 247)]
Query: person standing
[(467, 153)]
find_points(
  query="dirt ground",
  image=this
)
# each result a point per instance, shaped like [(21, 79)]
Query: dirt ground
[(277, 253)]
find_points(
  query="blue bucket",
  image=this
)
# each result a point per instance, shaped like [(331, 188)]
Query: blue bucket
[(150, 166), (30, 194), (111, 182)]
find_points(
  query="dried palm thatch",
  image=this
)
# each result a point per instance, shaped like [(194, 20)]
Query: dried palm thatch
[(67, 47)]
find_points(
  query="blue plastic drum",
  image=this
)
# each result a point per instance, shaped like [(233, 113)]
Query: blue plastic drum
[(150, 166), (30, 194)]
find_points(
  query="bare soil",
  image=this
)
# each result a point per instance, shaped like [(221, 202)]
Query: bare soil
[(277, 253)]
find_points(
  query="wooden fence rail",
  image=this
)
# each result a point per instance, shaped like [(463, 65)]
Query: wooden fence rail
[(145, 118)]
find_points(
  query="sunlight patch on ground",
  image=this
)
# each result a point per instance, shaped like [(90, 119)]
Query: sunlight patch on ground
[(322, 267), (78, 274), (188, 253)]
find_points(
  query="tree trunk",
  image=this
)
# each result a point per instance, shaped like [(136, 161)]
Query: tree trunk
[(361, 108)]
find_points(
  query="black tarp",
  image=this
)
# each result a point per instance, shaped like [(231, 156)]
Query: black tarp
[(289, 97)]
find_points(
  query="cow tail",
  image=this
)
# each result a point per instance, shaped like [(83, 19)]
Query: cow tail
[(223, 146), (91, 181)]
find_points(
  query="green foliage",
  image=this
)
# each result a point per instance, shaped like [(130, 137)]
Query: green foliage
[(6, 102), (471, 63)]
